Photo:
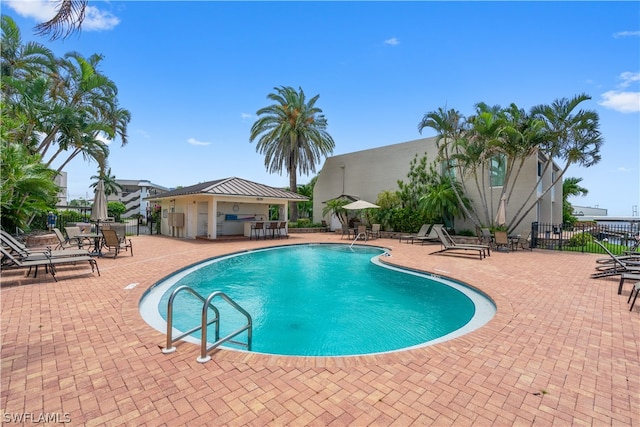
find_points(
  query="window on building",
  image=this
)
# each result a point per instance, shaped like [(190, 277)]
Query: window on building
[(448, 168), (497, 170)]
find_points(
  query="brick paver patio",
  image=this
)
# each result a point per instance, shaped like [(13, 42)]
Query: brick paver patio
[(563, 349)]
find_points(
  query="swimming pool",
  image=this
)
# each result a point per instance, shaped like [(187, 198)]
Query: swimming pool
[(322, 300)]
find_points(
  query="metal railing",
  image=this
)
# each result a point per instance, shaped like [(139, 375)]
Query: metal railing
[(205, 323), (580, 237)]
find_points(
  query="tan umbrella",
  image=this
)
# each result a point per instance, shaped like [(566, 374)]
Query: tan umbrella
[(360, 204), (501, 216), (99, 208)]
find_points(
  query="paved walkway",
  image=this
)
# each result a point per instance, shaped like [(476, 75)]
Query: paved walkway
[(563, 349)]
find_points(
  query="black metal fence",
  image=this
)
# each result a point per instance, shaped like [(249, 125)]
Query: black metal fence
[(580, 237), (132, 226)]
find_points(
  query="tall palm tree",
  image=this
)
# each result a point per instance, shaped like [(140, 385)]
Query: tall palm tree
[(292, 135), (67, 20), (573, 136), (451, 129)]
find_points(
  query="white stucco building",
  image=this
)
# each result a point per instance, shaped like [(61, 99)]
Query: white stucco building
[(367, 173)]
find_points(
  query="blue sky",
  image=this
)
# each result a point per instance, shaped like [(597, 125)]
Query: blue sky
[(193, 75)]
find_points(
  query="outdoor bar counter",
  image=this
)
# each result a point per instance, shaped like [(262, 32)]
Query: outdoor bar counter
[(249, 224)]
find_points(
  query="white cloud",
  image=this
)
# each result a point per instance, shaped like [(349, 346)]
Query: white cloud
[(43, 10), (624, 170), (624, 102), (627, 34), (392, 41), (628, 77), (246, 116), (194, 141)]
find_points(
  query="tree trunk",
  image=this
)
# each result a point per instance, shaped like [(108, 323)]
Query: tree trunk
[(293, 187)]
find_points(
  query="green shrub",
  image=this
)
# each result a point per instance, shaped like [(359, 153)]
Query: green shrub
[(466, 232), (579, 239)]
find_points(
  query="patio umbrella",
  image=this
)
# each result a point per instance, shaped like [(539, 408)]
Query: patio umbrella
[(99, 209), (360, 204), (501, 216)]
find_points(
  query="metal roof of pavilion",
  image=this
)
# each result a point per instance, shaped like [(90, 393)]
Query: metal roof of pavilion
[(231, 187)]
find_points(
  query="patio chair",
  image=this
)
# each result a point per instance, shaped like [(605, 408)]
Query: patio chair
[(627, 276), (346, 230), (523, 242), (74, 235), (448, 244), (484, 236), (362, 232), (501, 240), (617, 266), (11, 261), (374, 233), (424, 230), (111, 241)]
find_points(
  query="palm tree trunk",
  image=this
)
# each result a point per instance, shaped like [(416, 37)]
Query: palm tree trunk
[(554, 182), (293, 187)]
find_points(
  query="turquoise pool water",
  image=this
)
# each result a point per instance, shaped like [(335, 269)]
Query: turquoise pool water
[(322, 300)]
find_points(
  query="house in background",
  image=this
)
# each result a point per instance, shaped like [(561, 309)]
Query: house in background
[(224, 207), (369, 172), (134, 195)]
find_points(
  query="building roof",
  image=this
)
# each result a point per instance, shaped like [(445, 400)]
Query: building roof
[(232, 187)]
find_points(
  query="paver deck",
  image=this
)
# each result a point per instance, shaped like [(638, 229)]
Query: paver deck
[(563, 349)]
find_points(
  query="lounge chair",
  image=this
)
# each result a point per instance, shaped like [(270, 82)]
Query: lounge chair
[(11, 261), (616, 267), (111, 241), (426, 232), (21, 250), (431, 235), (449, 245)]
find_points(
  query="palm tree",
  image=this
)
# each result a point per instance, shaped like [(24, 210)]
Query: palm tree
[(109, 181), (571, 136), (68, 19), (292, 136), (20, 60), (571, 188), (27, 187), (451, 129)]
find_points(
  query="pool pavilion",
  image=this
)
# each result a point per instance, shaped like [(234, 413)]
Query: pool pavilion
[(223, 207)]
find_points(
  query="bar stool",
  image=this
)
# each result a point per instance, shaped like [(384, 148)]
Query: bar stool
[(273, 227), (256, 229), (282, 229)]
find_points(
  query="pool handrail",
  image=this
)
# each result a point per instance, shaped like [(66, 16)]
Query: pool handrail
[(206, 304)]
